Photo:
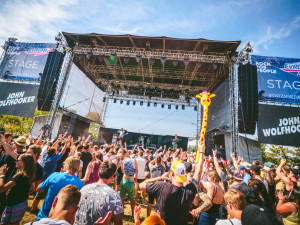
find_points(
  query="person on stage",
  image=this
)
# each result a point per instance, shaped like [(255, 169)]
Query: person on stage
[(175, 142)]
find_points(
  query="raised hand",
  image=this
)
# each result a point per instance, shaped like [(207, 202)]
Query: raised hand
[(3, 169), (215, 152)]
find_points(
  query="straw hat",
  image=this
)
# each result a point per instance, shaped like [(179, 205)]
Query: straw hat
[(22, 141)]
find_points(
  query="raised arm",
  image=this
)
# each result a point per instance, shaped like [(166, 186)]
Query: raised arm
[(234, 160), (199, 166), (86, 141), (218, 168), (10, 151), (281, 175), (39, 141)]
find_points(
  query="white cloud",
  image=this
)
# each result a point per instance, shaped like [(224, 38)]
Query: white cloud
[(269, 35)]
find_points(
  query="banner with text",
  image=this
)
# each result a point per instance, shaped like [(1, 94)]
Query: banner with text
[(25, 61), (279, 125), (18, 99), (278, 78)]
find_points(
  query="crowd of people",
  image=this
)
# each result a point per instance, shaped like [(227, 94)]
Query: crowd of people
[(83, 183)]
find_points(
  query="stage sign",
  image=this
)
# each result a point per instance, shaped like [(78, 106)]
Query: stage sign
[(278, 78), (279, 125), (25, 61), (18, 99)]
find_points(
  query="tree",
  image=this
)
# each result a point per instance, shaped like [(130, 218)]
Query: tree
[(275, 152)]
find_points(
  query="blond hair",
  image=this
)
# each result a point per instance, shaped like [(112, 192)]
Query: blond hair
[(72, 164), (235, 198), (214, 176), (70, 196)]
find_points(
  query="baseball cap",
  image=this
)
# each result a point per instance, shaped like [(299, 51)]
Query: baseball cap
[(256, 215), (237, 175), (255, 168), (179, 170), (242, 167)]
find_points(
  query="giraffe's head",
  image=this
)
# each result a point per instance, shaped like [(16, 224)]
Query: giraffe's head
[(205, 98)]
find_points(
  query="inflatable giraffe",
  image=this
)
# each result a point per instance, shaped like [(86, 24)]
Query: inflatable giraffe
[(205, 102)]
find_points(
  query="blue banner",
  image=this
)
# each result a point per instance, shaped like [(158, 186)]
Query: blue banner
[(278, 78), (25, 61)]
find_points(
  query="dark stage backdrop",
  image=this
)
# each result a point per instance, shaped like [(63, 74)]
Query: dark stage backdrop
[(279, 125), (106, 135)]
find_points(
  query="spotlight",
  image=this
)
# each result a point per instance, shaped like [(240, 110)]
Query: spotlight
[(141, 103), (155, 104), (133, 103), (138, 58), (195, 108), (121, 102), (175, 62), (163, 59), (162, 105), (80, 56), (112, 59), (128, 102), (183, 107), (215, 65), (186, 60), (152, 60), (104, 99), (169, 106), (101, 58), (148, 104), (176, 107), (115, 100), (89, 55), (126, 59)]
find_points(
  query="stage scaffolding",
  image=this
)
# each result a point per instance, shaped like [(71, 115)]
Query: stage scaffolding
[(201, 66)]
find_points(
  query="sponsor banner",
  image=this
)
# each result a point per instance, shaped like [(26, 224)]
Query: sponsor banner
[(278, 78), (18, 99), (279, 125), (25, 61)]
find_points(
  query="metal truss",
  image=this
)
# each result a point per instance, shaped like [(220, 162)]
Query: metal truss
[(233, 79), (157, 53)]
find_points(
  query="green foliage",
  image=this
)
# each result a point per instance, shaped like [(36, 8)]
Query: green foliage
[(191, 148), (16, 124), (93, 129), (275, 152)]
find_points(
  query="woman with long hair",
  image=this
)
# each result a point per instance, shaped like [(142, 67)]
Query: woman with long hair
[(92, 172), (18, 186), (216, 193)]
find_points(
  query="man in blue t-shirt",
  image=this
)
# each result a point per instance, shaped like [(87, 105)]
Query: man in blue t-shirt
[(56, 181), (246, 175)]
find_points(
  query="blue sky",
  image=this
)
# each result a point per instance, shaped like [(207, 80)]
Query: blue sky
[(273, 27)]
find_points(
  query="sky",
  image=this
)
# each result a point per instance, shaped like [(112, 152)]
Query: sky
[(272, 27)]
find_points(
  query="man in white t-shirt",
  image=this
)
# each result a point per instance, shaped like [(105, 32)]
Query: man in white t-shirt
[(235, 204), (141, 163)]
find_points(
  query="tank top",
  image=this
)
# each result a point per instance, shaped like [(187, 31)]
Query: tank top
[(292, 220), (128, 168), (215, 207), (94, 177)]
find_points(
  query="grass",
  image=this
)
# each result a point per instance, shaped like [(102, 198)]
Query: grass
[(127, 220)]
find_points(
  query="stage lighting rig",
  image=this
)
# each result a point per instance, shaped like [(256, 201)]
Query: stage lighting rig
[(162, 105), (169, 106), (148, 104), (128, 103), (115, 100), (121, 101), (141, 103), (176, 107)]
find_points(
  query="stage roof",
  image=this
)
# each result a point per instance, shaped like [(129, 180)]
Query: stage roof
[(201, 64)]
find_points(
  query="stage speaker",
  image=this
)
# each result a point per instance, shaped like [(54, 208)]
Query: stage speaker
[(248, 98), (49, 80)]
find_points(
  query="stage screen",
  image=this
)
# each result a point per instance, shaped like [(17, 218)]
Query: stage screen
[(18, 99), (279, 125), (278, 78), (25, 61), (81, 96)]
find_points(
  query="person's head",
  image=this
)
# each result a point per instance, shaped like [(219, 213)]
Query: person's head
[(72, 164), (35, 151), (255, 162), (153, 220), (107, 170), (212, 176), (141, 154), (254, 170), (235, 201), (21, 142), (243, 170), (51, 151), (8, 137), (78, 154), (151, 157), (178, 172), (147, 151), (96, 148), (79, 148), (86, 147), (107, 149), (256, 215), (25, 164), (262, 191), (158, 160), (67, 199)]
